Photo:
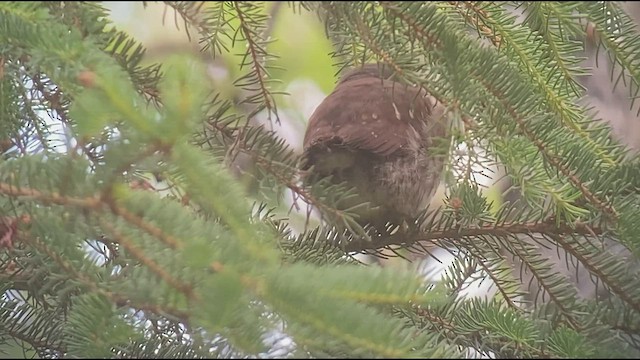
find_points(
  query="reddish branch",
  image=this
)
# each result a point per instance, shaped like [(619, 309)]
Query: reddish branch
[(92, 203), (495, 39), (151, 229), (253, 52), (50, 198), (9, 229), (95, 203), (139, 254), (546, 287), (494, 230), (615, 286), (429, 39), (551, 158)]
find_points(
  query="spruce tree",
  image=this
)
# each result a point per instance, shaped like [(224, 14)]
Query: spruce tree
[(98, 260)]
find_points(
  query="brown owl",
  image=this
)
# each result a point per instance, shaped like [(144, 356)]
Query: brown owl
[(378, 136)]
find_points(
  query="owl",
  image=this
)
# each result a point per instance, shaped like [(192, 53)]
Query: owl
[(383, 138)]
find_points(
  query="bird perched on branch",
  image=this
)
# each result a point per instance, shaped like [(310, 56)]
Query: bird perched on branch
[(379, 136)]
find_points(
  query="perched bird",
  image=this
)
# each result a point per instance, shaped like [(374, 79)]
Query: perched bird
[(378, 136)]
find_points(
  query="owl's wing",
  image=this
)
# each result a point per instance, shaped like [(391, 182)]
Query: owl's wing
[(367, 114)]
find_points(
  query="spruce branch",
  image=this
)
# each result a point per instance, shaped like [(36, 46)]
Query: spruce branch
[(614, 37), (63, 263), (558, 104), (282, 171), (140, 223), (508, 298), (138, 254), (207, 18), (459, 333), (612, 280), (43, 344), (496, 230), (189, 11), (365, 34), (569, 110), (258, 57), (97, 204), (557, 24), (428, 39), (553, 159), (558, 298), (92, 203), (54, 101), (476, 21)]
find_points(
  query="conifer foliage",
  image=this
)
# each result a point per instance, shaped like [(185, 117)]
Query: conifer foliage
[(96, 262)]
